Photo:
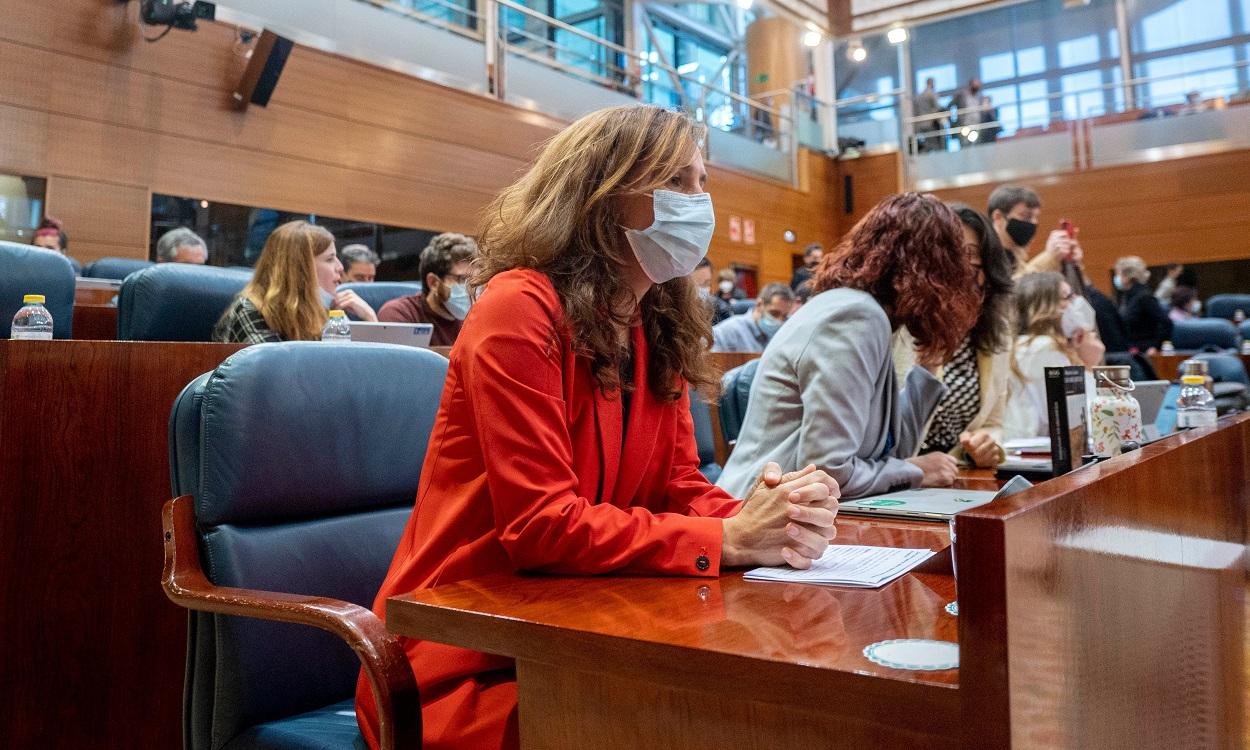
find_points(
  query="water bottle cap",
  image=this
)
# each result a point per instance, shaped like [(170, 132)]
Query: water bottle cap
[(1194, 380), (33, 299), (337, 314)]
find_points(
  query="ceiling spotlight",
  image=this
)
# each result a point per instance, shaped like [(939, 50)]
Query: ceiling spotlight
[(746, 4), (812, 38), (856, 51), (896, 35), (973, 136)]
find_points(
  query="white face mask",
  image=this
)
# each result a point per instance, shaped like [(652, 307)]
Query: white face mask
[(1195, 307), (726, 286), (458, 302), (678, 239), (1079, 315)]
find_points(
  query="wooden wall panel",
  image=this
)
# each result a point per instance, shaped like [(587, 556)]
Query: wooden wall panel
[(1187, 210), (340, 138), (873, 178)]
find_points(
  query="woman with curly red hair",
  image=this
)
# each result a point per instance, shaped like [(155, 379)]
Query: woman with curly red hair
[(826, 393)]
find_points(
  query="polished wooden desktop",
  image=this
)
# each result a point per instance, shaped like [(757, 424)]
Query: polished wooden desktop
[(1105, 608)]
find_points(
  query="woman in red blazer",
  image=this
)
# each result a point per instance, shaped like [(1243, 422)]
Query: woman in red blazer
[(563, 441)]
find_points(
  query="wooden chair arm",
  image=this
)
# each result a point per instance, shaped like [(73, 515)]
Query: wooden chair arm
[(383, 659)]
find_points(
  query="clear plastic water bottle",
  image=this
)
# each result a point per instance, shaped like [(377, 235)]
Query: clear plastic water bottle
[(33, 321), (1196, 405), (1167, 349), (1239, 316), (337, 328)]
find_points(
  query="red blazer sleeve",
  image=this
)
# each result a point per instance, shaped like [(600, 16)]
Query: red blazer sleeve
[(689, 492), (511, 361)]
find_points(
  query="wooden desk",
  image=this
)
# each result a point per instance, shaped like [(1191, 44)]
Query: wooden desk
[(651, 663), (93, 652), (1106, 608), (1167, 366), (95, 322)]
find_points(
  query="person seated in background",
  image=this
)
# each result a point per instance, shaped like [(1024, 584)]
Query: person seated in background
[(446, 263), (1185, 304), (1015, 212), (968, 421), (727, 286), (359, 263), (826, 392), (181, 245), (1193, 104), (563, 442), (1145, 321), (50, 235), (1163, 292), (801, 295), (701, 277), (751, 331), (811, 258), (1106, 319), (283, 300), (1047, 335)]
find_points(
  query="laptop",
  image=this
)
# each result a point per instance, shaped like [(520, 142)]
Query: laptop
[(404, 334), (1151, 396), (929, 503)]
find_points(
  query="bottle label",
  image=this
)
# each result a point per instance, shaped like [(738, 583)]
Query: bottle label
[(1188, 419), (32, 335)]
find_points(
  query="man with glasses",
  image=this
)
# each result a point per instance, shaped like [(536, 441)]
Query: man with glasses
[(445, 267)]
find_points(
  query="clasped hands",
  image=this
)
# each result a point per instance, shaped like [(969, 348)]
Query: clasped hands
[(787, 519)]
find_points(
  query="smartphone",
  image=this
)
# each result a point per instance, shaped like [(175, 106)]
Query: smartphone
[(1067, 226)]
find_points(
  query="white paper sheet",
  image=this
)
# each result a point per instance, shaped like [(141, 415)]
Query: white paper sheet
[(848, 565)]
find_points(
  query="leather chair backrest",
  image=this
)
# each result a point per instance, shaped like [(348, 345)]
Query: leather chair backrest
[(1245, 330), (378, 293), (114, 268), (303, 459), (175, 301), (1226, 305), (25, 269), (701, 414), (742, 306), (1191, 335), (735, 392)]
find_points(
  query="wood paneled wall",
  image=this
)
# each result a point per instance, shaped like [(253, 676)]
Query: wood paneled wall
[(1188, 210), (870, 178), (109, 119)]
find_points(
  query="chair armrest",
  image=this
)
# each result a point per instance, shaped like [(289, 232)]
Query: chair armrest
[(383, 659)]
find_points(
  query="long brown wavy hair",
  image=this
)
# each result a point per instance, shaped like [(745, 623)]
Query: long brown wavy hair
[(907, 252), (1039, 312), (561, 219), (284, 286)]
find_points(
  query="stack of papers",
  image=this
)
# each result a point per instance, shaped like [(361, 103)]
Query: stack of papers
[(848, 565)]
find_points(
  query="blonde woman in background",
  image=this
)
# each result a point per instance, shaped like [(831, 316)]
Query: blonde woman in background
[(283, 302), (1047, 336)]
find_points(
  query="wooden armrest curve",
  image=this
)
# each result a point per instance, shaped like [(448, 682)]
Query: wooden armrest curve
[(382, 657)]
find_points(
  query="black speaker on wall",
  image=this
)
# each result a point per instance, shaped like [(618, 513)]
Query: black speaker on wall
[(263, 70)]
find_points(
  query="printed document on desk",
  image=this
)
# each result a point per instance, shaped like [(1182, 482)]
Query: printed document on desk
[(848, 565)]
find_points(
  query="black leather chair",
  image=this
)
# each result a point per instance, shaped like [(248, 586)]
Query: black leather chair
[(742, 306), (295, 466), (1226, 305), (701, 414), (735, 392), (114, 268), (1195, 335), (175, 301), (25, 269), (378, 293)]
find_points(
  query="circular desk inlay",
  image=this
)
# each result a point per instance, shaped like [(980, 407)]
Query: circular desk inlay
[(914, 653)]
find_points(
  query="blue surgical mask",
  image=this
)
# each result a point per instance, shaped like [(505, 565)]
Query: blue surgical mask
[(458, 302), (1118, 283), (770, 325), (678, 238)]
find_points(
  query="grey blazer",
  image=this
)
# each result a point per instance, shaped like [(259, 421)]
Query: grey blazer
[(826, 394)]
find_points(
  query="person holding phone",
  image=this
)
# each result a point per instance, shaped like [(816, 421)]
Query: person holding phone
[(1015, 211), (564, 442)]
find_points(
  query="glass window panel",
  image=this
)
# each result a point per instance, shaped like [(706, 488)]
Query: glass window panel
[(570, 7), (1209, 72), (1083, 97), (1079, 51), (1113, 43), (1005, 99), (1031, 61), (998, 67), (1034, 107), (1182, 22), (579, 51), (944, 77), (21, 207)]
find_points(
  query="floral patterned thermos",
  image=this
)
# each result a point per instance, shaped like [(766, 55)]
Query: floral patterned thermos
[(1115, 415)]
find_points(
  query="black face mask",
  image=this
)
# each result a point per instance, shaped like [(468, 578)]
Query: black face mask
[(1021, 232)]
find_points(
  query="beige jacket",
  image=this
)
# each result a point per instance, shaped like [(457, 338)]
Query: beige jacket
[(994, 373)]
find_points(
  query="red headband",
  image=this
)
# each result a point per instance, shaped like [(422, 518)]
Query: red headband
[(48, 232)]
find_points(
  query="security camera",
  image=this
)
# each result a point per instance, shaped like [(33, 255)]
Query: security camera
[(176, 14)]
